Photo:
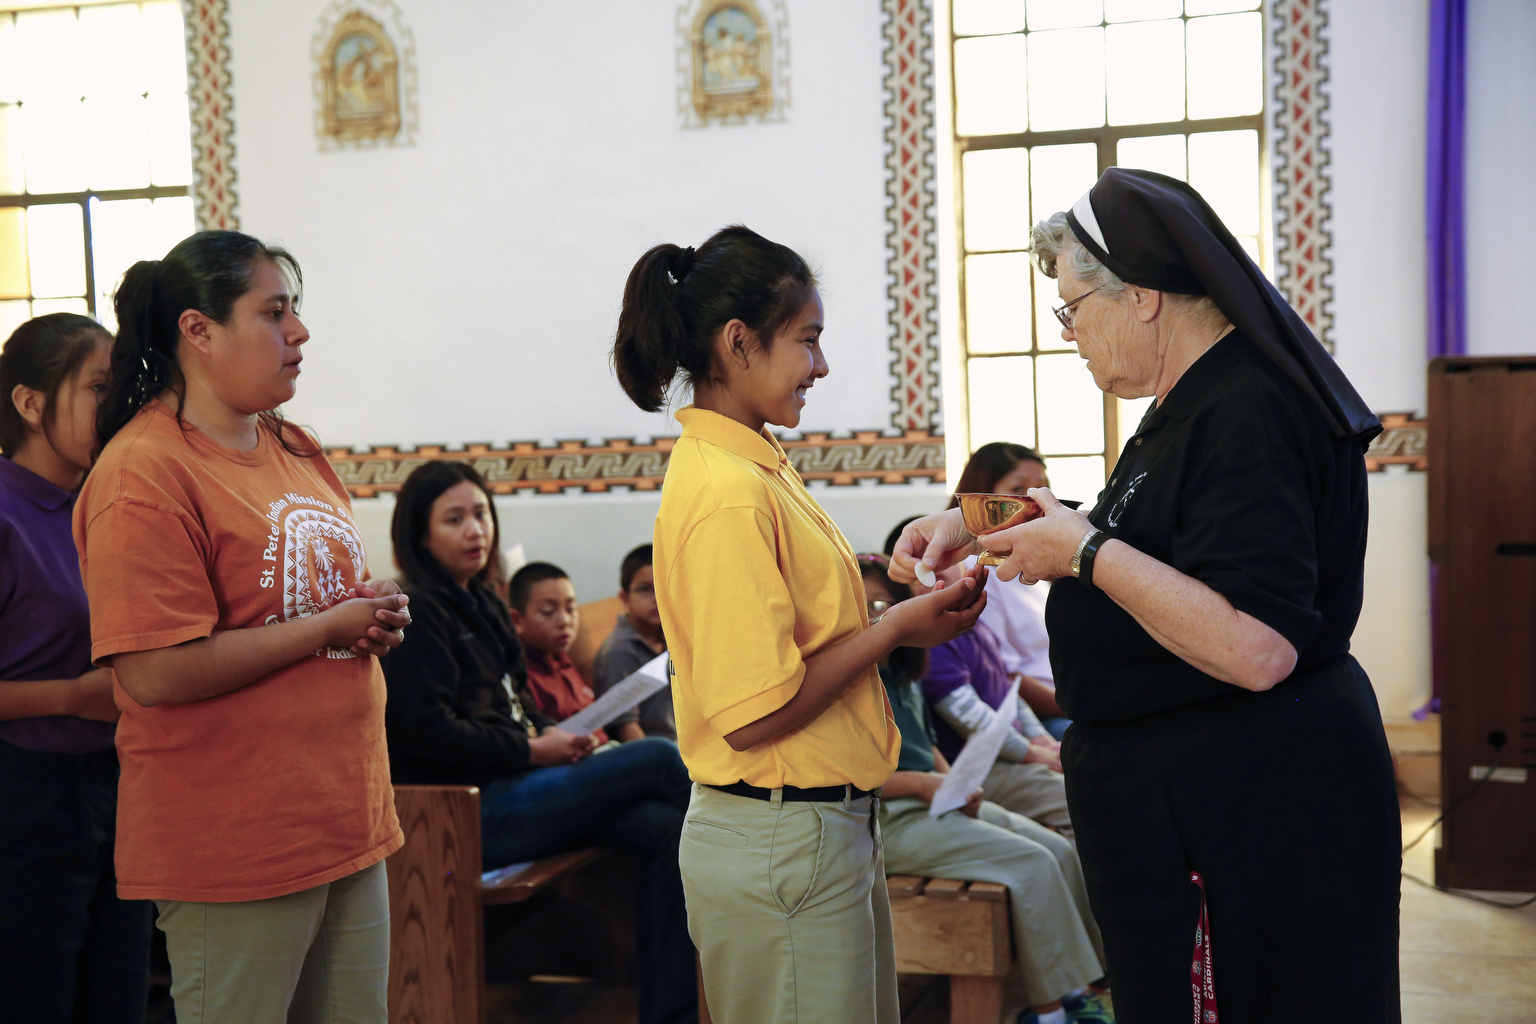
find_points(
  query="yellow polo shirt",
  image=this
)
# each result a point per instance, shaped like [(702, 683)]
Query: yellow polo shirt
[(752, 578)]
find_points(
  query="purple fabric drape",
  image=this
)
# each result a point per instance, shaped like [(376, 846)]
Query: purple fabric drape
[(1445, 224), (1445, 180)]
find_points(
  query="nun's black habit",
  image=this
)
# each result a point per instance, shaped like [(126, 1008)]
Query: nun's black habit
[(1250, 477)]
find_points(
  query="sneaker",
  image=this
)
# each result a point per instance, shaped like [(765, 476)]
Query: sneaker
[(1090, 1008)]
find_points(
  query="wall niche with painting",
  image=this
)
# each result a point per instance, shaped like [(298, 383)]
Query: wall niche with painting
[(365, 76), (733, 62)]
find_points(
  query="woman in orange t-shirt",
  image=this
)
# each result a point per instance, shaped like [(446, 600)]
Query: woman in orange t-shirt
[(229, 593)]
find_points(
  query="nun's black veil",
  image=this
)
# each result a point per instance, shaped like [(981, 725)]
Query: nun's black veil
[(1157, 232)]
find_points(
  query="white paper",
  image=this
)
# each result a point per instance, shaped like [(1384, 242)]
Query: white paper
[(507, 873), (976, 759), (627, 693)]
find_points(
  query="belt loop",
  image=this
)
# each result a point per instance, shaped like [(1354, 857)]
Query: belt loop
[(776, 798), (847, 796)]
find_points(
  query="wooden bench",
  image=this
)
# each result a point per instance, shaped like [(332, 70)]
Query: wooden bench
[(946, 926), (437, 926), (436, 902)]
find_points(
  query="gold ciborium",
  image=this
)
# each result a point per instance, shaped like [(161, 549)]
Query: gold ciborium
[(988, 513)]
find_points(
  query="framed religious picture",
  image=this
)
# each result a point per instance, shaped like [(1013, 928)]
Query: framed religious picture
[(361, 79), (364, 58), (732, 51)]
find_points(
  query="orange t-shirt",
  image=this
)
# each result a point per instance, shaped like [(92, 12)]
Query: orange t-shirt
[(281, 785)]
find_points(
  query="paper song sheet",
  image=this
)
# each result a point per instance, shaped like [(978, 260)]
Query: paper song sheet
[(976, 759), (627, 693)]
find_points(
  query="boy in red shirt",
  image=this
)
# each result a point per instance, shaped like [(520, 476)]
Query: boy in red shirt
[(545, 615)]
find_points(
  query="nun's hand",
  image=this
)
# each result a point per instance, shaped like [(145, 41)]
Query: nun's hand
[(1042, 548), (938, 542)]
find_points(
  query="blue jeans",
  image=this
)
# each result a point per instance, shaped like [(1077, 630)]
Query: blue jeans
[(632, 798), (1057, 727)]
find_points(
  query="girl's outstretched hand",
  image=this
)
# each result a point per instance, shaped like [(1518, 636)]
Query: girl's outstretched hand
[(940, 616)]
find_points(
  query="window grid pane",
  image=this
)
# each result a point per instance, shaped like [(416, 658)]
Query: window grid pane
[(92, 100), (1131, 63)]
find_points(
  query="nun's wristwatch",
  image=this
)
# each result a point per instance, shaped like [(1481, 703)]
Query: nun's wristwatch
[(1082, 559)]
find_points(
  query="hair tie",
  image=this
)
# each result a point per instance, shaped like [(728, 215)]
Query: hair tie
[(682, 263)]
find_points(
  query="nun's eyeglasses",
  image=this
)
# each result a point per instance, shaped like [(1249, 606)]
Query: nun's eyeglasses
[(1066, 314)]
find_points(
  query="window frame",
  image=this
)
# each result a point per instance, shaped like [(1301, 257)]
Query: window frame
[(1105, 139), (26, 199)]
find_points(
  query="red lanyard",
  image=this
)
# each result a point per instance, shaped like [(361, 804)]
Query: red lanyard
[(1201, 980)]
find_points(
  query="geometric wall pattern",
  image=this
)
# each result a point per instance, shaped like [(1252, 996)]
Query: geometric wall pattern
[(213, 127), (1303, 267), (623, 463), (911, 232)]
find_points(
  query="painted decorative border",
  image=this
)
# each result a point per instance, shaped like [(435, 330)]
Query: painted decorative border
[(778, 15), (1403, 441), (404, 41), (213, 127), (640, 466), (1303, 242), (912, 237)]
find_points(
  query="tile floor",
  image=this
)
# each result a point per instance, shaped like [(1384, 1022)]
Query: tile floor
[(1462, 963)]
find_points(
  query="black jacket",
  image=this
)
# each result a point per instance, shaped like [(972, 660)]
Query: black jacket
[(454, 715)]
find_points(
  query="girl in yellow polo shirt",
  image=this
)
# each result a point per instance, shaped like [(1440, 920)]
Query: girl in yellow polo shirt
[(781, 716)]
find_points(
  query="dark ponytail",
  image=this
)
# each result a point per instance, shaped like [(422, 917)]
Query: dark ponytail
[(208, 272), (677, 299), (41, 354)]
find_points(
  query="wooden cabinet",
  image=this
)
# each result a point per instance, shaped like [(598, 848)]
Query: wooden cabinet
[(1482, 550)]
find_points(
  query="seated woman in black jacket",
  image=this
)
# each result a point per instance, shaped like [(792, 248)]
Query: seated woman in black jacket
[(455, 716)]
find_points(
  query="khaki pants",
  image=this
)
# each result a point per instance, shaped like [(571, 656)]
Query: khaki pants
[(788, 908), (1058, 944), (317, 956), (1033, 790)]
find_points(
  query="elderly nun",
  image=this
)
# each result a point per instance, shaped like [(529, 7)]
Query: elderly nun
[(1228, 773)]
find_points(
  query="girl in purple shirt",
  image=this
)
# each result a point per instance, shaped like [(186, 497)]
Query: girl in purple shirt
[(69, 948)]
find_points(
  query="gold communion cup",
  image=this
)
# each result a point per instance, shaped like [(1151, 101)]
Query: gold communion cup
[(988, 513)]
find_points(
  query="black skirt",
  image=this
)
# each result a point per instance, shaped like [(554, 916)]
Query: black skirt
[(1285, 803)]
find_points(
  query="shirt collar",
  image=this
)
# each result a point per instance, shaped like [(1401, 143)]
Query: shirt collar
[(1203, 378), (34, 488), (723, 432), (549, 664)]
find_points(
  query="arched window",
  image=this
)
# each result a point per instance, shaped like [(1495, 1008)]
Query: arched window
[(1047, 94), (95, 152)]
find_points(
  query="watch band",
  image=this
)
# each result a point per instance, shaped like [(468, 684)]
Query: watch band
[(1086, 554), (1076, 565)]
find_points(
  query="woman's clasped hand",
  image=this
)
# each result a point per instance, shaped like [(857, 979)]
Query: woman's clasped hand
[(378, 623)]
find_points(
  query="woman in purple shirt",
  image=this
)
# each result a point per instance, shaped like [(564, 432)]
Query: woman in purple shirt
[(70, 950)]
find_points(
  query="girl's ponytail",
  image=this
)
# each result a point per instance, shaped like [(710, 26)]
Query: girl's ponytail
[(651, 328), (142, 366), (676, 300)]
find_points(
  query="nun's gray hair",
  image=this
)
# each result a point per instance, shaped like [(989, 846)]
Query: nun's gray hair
[(1052, 240)]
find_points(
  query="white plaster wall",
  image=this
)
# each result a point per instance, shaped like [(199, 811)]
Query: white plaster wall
[(1392, 639), (466, 288), (588, 534), (1501, 152), (1378, 52)]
